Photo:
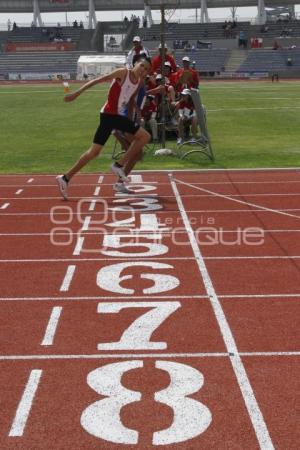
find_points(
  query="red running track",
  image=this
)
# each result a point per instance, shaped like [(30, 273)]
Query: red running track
[(166, 319)]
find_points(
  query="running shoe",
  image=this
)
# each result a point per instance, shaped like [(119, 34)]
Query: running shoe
[(120, 187), (179, 141), (63, 186), (118, 170)]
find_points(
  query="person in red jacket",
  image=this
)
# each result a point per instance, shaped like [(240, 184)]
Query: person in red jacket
[(156, 60), (186, 78)]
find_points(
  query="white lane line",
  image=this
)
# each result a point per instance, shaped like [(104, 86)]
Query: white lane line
[(68, 279), (52, 326), (187, 196), (202, 229), (252, 406), (30, 180), (19, 191), (295, 296), (210, 211), (92, 205), (79, 245), (83, 260), (24, 407), (100, 179), (5, 206), (139, 258), (97, 190), (258, 108), (134, 297), (260, 296), (146, 355), (276, 211), (203, 183), (86, 223)]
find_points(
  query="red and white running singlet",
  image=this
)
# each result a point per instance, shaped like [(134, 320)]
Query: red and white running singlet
[(119, 96)]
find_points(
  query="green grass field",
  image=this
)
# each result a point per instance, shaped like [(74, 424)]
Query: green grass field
[(252, 124)]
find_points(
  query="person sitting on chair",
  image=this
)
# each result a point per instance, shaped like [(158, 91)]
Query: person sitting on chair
[(186, 116), (148, 116)]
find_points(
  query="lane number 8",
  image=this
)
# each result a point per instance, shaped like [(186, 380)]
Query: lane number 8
[(102, 418)]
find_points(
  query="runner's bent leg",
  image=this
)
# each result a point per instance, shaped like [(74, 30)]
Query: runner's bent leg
[(141, 138), (86, 157)]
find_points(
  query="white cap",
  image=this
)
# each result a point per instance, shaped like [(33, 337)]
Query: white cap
[(186, 58), (136, 39), (186, 92), (158, 76), (160, 46), (168, 64)]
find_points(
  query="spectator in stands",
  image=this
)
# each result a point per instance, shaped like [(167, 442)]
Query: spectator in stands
[(148, 116), (15, 26), (144, 22), (81, 24), (8, 25), (285, 32), (186, 116), (137, 49), (157, 60), (289, 61), (161, 91), (186, 76), (75, 24), (264, 29), (275, 45), (170, 80), (242, 39), (124, 86)]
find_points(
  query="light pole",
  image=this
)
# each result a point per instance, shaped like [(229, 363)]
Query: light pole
[(162, 5)]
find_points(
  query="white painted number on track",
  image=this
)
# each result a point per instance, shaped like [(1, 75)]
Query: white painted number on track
[(191, 417), (114, 241), (102, 419), (139, 205), (137, 335), (109, 278), (149, 222)]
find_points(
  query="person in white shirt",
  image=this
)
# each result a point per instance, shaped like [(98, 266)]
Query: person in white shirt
[(137, 49)]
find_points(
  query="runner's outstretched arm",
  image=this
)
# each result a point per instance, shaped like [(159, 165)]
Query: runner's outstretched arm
[(118, 73)]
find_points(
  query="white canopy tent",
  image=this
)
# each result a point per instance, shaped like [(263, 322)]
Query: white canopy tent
[(95, 65)]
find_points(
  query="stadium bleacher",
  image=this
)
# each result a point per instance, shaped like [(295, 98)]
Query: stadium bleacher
[(266, 60), (39, 62), (211, 60)]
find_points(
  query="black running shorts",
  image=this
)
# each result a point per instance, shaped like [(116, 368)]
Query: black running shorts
[(109, 122)]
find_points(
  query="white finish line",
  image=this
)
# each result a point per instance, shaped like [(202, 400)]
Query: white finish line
[(252, 406)]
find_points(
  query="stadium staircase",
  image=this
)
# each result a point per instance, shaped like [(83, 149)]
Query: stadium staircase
[(235, 60)]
